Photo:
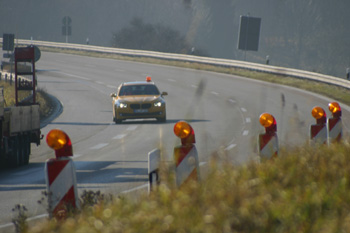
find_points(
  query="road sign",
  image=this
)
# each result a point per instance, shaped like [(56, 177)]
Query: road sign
[(67, 27), (8, 42), (66, 21), (249, 33)]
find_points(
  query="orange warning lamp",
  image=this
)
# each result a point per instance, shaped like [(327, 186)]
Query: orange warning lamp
[(185, 132), (269, 122), (60, 142), (334, 107), (148, 79), (319, 114)]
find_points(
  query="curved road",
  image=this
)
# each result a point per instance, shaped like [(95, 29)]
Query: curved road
[(222, 109)]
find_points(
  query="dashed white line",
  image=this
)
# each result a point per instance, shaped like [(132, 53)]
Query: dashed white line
[(232, 101), (99, 146), (244, 110), (111, 86), (171, 80), (194, 86), (131, 128), (248, 120), (202, 163), (245, 132), (120, 136), (214, 93), (136, 188), (72, 75), (99, 82), (230, 147)]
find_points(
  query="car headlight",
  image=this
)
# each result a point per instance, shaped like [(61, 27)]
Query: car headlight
[(158, 104), (123, 105)]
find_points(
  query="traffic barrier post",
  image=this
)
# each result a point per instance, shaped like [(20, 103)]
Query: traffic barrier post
[(334, 124), (268, 142), (153, 169), (318, 131), (185, 155), (61, 176)]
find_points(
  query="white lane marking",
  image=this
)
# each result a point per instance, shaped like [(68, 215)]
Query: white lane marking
[(88, 65), (99, 146), (232, 101), (131, 128), (111, 86), (99, 82), (29, 219), (171, 80), (120, 136), (136, 188), (230, 147), (244, 110), (194, 86), (214, 93), (202, 163), (72, 75), (76, 155), (248, 120), (245, 132)]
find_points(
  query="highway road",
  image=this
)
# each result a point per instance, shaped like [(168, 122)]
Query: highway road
[(223, 110)]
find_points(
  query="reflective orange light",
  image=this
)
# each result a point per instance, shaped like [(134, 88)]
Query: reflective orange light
[(56, 139), (317, 112), (182, 129), (334, 107), (148, 79), (266, 120)]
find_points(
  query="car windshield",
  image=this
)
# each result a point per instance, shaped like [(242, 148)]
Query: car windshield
[(138, 90)]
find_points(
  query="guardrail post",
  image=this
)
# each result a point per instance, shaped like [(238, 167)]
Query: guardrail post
[(153, 169)]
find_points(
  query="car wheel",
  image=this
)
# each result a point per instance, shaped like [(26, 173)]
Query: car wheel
[(161, 119)]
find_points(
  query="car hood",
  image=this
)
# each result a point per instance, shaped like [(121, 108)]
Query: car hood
[(139, 99)]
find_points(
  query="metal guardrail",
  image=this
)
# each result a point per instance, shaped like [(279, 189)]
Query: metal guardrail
[(196, 59)]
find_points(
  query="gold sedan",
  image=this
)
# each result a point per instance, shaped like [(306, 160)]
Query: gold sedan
[(137, 100)]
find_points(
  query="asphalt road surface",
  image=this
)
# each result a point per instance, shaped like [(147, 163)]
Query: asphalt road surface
[(223, 109)]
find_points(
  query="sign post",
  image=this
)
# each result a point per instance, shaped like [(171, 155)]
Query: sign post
[(67, 27)]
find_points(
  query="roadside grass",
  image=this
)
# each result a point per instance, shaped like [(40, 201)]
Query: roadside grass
[(42, 98), (304, 190)]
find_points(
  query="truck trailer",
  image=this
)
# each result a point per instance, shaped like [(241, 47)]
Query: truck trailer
[(20, 124)]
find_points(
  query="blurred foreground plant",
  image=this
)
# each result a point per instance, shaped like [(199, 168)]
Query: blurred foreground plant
[(304, 190)]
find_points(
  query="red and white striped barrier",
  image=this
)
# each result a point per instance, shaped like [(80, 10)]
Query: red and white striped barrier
[(187, 165), (61, 186), (268, 146), (60, 176), (186, 155), (335, 128), (268, 142), (318, 131)]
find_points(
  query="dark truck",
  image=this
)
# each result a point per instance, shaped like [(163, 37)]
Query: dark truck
[(20, 124)]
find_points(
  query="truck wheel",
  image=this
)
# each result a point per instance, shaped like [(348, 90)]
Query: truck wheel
[(14, 159), (26, 149)]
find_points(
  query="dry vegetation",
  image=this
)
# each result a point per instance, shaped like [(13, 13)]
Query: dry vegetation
[(304, 190)]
